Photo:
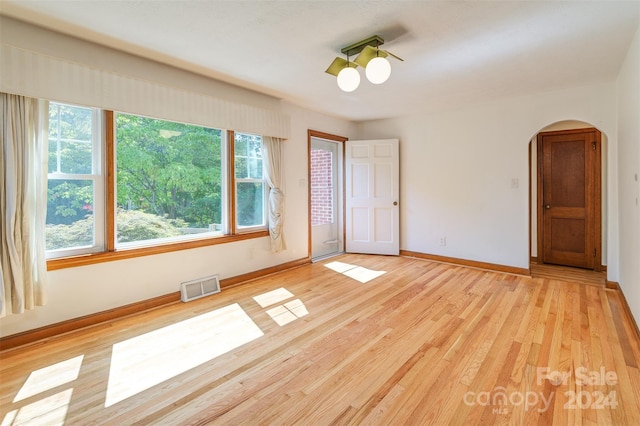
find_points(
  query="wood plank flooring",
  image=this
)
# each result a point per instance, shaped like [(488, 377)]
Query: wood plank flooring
[(565, 273), (355, 339)]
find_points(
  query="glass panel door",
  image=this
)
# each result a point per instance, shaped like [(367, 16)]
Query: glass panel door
[(326, 199)]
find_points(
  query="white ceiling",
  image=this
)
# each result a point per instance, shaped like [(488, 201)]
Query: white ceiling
[(455, 53)]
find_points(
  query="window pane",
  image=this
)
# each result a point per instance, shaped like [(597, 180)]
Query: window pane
[(75, 157), (169, 179), (240, 145), (250, 185), (248, 156), (250, 196), (69, 214), (322, 196), (70, 139), (242, 167), (255, 168)]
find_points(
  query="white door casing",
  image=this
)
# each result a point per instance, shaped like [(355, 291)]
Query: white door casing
[(372, 208)]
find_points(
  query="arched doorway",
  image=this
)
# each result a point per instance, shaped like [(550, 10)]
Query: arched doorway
[(567, 196)]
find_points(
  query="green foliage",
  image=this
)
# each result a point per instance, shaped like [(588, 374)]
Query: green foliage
[(70, 152), (169, 169), (248, 169), (70, 139), (248, 156), (137, 226), (250, 208), (70, 122), (69, 201), (132, 226), (76, 234)]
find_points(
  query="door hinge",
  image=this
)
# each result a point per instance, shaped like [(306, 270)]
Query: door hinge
[(593, 145)]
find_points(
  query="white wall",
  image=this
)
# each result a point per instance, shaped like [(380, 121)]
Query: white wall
[(628, 93), (80, 291), (457, 169)]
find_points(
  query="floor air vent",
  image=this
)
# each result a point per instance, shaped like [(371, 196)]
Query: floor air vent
[(201, 287)]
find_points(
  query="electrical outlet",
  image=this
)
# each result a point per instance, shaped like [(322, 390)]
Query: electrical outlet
[(443, 241)]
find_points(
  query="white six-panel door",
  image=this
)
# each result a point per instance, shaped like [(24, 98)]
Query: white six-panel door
[(372, 196)]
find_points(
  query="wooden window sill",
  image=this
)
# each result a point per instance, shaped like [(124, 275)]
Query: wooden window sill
[(109, 256)]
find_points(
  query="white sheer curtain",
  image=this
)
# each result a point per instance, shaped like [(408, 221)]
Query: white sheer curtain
[(272, 158), (23, 203)]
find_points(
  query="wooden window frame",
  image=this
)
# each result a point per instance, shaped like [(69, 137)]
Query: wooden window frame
[(110, 252), (235, 228)]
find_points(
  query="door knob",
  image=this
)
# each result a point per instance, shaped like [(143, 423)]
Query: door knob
[(395, 203), (548, 206)]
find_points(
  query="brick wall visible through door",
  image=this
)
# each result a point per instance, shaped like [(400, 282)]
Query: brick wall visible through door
[(321, 187)]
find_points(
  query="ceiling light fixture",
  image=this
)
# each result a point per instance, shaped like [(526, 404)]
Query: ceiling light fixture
[(378, 70), (348, 77), (377, 67)]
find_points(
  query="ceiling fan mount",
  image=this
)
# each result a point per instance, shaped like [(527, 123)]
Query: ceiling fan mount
[(355, 48)]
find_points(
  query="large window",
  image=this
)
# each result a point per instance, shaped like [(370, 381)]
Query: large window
[(169, 179), (170, 185), (75, 186)]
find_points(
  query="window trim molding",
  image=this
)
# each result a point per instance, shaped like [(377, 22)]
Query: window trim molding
[(96, 176), (235, 227), (110, 172), (231, 179), (109, 256)]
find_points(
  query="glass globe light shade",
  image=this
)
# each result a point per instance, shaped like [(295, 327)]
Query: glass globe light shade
[(378, 70), (348, 79)]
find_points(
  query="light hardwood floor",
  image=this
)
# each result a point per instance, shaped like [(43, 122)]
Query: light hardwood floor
[(350, 340), (565, 273)]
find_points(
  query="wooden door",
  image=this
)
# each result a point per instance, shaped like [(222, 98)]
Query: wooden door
[(371, 198), (569, 194)]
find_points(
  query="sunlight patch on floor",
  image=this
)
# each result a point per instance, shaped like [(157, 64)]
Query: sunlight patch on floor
[(50, 411), (358, 273), (46, 378), (272, 297), (144, 361), (288, 312), (339, 267)]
